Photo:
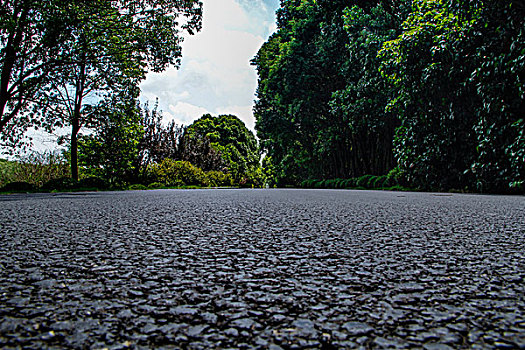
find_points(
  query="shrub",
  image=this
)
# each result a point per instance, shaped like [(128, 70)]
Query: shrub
[(379, 181), (363, 181), (177, 183), (308, 183), (177, 173), (93, 182), (61, 184), (218, 178), (155, 185), (136, 187), (318, 184), (397, 177), (34, 168), (387, 182), (18, 186)]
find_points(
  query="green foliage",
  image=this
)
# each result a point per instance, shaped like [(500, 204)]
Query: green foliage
[(112, 150), (431, 88), (60, 184), (216, 178), (362, 182), (137, 187), (93, 182), (176, 173), (34, 168), (458, 134), (72, 57), (32, 36), (235, 143), (155, 185), (320, 108)]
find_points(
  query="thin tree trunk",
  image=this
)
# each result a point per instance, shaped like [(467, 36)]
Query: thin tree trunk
[(75, 118), (74, 152)]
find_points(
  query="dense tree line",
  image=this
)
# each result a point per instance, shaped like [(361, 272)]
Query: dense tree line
[(429, 90)]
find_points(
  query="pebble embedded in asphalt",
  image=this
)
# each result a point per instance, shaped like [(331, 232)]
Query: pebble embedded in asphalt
[(262, 269)]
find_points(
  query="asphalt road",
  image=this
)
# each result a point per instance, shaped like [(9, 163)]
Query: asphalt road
[(267, 269)]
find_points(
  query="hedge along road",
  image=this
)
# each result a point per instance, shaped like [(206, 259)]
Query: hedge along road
[(266, 269)]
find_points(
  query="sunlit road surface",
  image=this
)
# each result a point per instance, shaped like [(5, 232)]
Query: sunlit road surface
[(266, 269)]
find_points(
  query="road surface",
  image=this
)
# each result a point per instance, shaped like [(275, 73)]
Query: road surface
[(262, 269)]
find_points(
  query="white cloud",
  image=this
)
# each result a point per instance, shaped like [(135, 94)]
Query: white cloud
[(184, 113)]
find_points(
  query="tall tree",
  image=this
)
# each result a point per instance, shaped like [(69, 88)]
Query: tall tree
[(363, 131), (110, 46), (32, 38), (115, 45), (320, 108), (111, 151)]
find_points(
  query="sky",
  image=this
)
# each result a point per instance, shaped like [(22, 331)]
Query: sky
[(215, 75)]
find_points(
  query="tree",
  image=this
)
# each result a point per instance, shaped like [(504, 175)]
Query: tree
[(363, 132), (458, 68), (298, 70), (111, 151), (158, 141), (320, 108), (32, 38), (111, 45), (229, 136)]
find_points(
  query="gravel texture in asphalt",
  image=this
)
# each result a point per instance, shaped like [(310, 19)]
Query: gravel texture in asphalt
[(262, 269)]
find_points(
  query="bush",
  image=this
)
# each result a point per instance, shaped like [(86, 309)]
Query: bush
[(517, 187), (387, 182), (363, 181), (397, 177), (155, 185), (379, 181), (93, 182), (18, 186), (177, 173), (218, 178), (309, 183), (340, 183), (34, 168), (137, 187), (317, 184), (61, 184)]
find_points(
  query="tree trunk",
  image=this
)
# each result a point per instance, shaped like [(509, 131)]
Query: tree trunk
[(74, 152), (75, 118)]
